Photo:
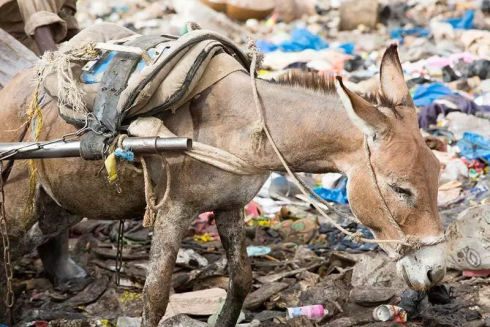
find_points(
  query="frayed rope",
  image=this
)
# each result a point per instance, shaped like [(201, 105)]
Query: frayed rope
[(69, 92)]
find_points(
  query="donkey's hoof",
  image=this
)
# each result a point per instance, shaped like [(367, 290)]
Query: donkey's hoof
[(73, 285), (67, 276)]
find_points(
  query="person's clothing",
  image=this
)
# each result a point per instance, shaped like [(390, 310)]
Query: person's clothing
[(428, 114), (20, 18)]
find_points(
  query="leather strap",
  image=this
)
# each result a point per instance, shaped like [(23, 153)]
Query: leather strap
[(92, 146), (115, 80)]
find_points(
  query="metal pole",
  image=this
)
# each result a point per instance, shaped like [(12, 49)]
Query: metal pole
[(67, 149)]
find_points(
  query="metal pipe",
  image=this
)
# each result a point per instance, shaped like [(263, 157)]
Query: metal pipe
[(31, 150), (157, 144), (139, 145)]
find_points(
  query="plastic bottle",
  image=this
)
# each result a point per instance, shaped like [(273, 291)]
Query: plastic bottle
[(390, 313), (309, 311)]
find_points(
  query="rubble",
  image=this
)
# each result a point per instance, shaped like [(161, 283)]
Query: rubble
[(255, 299), (200, 303)]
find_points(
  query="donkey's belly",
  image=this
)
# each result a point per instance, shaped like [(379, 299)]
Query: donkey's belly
[(82, 188)]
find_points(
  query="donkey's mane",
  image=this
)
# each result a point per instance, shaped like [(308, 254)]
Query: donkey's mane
[(307, 80), (326, 84)]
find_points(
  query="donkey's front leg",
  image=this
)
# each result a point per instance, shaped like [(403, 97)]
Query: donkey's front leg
[(171, 225), (232, 233)]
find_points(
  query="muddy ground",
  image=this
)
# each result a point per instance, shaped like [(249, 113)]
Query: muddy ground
[(349, 283)]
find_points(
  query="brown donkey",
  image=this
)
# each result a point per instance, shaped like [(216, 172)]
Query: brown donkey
[(318, 128)]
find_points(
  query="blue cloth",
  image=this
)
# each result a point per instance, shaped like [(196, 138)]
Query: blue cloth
[(465, 22), (348, 47), (266, 46), (124, 154), (428, 114), (399, 33), (425, 94), (301, 39), (474, 146), (94, 74), (338, 194), (336, 240)]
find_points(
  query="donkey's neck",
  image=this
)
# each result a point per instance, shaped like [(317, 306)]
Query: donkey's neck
[(311, 129)]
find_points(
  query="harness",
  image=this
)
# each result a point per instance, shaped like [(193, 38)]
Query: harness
[(144, 68)]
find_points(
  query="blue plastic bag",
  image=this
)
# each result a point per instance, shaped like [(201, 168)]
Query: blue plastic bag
[(465, 22), (427, 93), (398, 33), (302, 39), (474, 146), (266, 46), (348, 47), (338, 194)]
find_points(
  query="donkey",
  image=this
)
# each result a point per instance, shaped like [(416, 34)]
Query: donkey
[(317, 126)]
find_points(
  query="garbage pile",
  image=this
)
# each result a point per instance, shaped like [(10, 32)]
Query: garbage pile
[(306, 273)]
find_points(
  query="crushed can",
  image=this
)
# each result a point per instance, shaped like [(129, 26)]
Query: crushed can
[(309, 311), (390, 313)]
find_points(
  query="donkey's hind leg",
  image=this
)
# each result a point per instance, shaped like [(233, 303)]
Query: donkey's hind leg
[(62, 271), (231, 230), (54, 223), (171, 225)]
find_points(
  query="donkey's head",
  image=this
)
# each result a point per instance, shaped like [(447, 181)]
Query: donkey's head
[(405, 170)]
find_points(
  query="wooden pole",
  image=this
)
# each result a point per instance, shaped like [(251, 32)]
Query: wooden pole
[(14, 57)]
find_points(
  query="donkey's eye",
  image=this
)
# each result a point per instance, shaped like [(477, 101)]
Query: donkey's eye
[(400, 190)]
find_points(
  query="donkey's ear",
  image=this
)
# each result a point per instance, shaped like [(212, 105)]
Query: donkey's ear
[(391, 78), (363, 114)]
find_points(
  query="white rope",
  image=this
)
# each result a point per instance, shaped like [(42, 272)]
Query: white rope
[(70, 93)]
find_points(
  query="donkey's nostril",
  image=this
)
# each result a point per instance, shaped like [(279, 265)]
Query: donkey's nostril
[(436, 275), (429, 275)]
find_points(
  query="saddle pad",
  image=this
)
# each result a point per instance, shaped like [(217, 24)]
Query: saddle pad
[(179, 69)]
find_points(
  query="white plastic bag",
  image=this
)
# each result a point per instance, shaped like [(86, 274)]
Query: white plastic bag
[(468, 240), (456, 170), (460, 122)]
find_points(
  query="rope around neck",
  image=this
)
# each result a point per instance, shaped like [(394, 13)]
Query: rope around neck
[(401, 245)]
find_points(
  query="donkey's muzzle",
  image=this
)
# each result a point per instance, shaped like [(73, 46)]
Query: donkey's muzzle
[(424, 268)]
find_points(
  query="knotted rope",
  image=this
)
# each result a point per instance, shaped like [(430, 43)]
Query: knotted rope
[(69, 92)]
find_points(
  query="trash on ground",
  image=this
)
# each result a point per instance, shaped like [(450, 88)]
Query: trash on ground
[(390, 313)]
